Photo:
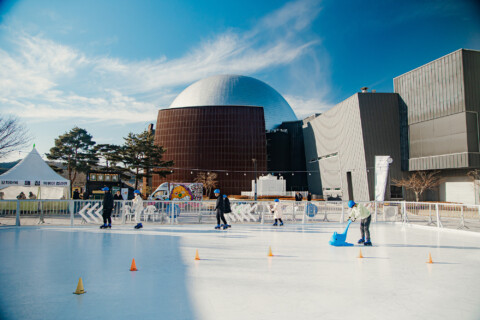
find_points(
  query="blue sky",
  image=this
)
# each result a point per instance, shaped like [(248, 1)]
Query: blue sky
[(108, 66)]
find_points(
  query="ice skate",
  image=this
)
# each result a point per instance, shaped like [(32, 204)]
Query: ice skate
[(103, 226), (368, 243), (275, 224), (361, 241), (228, 226), (139, 226), (281, 223), (225, 226), (109, 226), (217, 227)]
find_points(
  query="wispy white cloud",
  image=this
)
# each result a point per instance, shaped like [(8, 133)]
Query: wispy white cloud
[(305, 107), (42, 79)]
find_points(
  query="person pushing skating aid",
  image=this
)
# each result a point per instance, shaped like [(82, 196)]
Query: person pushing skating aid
[(219, 209), (360, 211)]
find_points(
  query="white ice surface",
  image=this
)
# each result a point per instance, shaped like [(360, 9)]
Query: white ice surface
[(235, 279)]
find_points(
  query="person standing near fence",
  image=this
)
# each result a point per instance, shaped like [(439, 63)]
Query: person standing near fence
[(219, 207), (277, 212), (360, 211), (107, 209), (138, 208)]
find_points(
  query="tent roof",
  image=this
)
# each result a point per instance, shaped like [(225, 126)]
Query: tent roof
[(30, 170)]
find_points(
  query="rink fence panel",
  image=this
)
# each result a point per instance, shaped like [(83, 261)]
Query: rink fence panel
[(85, 212)]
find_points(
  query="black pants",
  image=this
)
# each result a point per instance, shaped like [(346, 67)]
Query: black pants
[(364, 228), (107, 216), (220, 216)]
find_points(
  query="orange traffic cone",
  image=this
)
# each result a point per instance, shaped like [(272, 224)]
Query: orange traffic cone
[(429, 258), (133, 267), (360, 254), (80, 289), (270, 254), (197, 257)]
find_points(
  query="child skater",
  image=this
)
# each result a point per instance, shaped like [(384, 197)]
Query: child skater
[(360, 211), (138, 208), (277, 213)]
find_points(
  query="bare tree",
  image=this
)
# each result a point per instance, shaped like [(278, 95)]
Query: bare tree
[(209, 181), (419, 182), (13, 135)]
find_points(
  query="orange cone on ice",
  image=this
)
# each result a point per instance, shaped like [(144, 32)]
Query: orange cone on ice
[(80, 289), (429, 258), (133, 267), (360, 254), (197, 257), (270, 254)]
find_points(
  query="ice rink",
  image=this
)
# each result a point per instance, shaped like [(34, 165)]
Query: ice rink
[(235, 279)]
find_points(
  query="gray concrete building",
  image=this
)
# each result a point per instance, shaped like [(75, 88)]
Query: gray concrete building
[(341, 145), (440, 102)]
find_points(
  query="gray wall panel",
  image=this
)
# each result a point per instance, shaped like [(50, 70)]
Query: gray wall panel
[(381, 132), (433, 90), (471, 65), (339, 131)]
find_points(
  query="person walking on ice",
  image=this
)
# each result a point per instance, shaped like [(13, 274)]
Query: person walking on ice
[(219, 209), (277, 212), (360, 211), (138, 208), (107, 209)]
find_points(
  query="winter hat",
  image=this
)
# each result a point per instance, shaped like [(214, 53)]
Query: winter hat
[(276, 200), (136, 191), (351, 203), (105, 189), (216, 191)]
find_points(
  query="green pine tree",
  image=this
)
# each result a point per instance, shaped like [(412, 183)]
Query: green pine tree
[(144, 158), (76, 150)]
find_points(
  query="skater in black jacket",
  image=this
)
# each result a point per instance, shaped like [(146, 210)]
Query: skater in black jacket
[(219, 209), (107, 209)]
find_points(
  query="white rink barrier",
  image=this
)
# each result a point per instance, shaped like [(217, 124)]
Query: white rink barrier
[(78, 212)]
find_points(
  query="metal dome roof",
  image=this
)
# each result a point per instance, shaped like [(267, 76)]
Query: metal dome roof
[(235, 90)]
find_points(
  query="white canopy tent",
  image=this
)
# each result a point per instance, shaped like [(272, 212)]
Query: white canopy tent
[(33, 174)]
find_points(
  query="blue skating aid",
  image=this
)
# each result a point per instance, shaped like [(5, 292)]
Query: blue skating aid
[(338, 239)]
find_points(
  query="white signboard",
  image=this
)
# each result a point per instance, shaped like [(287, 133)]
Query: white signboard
[(382, 164)]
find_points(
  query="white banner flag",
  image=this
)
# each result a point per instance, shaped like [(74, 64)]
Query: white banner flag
[(381, 176)]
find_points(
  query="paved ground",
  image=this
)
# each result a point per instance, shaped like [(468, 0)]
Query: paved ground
[(235, 279)]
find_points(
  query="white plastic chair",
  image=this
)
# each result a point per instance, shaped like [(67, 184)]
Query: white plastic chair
[(150, 211), (127, 212)]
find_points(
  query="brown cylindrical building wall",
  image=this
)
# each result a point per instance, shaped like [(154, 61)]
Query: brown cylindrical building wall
[(220, 139)]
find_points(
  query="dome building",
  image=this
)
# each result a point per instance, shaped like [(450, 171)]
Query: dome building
[(235, 90), (218, 124)]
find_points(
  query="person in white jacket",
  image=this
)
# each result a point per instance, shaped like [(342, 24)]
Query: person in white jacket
[(138, 208), (277, 212)]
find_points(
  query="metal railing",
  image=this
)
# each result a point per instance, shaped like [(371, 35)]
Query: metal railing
[(80, 212)]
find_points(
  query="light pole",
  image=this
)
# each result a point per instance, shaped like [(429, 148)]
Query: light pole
[(255, 166)]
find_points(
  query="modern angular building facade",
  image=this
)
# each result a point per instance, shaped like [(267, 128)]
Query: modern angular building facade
[(442, 103), (341, 145)]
